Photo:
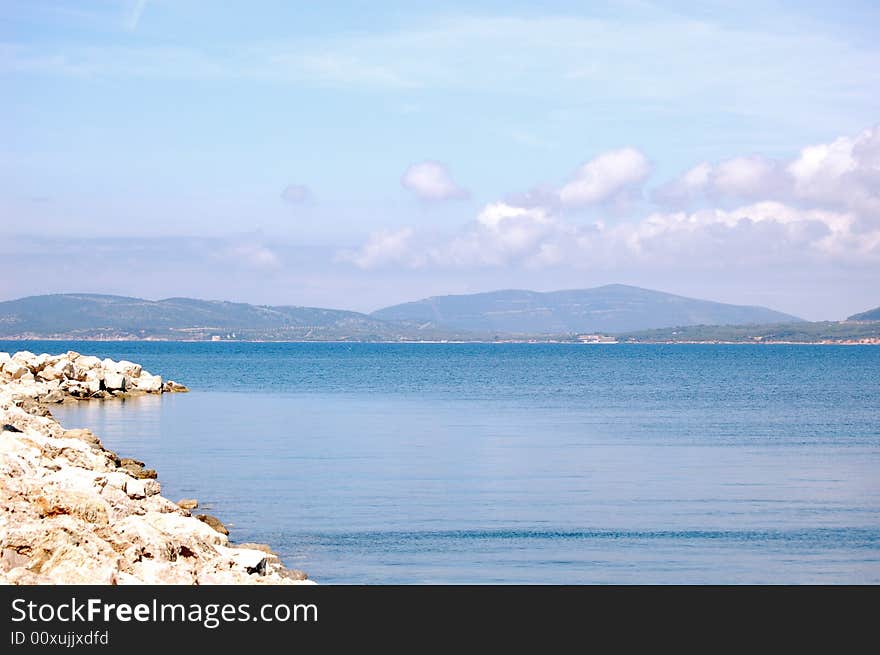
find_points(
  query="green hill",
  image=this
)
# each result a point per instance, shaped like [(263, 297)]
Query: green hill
[(101, 316), (870, 315), (611, 308)]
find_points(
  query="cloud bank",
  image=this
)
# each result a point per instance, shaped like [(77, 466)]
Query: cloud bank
[(821, 206)]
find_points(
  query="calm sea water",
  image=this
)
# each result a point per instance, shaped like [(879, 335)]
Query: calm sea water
[(517, 463)]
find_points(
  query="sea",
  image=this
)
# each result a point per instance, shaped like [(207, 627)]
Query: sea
[(518, 463)]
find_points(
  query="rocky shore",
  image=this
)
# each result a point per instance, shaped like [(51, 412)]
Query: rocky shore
[(73, 512)]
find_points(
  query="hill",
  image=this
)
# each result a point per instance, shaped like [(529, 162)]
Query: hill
[(870, 315), (91, 316), (609, 309)]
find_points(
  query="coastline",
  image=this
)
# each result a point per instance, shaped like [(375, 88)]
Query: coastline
[(74, 512), (549, 341)]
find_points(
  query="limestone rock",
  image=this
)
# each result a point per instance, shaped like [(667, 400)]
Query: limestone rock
[(141, 488), (188, 503), (83, 435), (213, 522), (128, 369), (114, 381), (148, 383), (72, 511), (251, 561), (87, 362), (15, 369)]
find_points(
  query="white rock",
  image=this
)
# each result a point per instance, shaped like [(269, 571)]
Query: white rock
[(49, 374), (87, 362), (114, 381), (92, 381), (65, 368), (39, 362), (129, 369), (15, 369), (148, 383), (245, 559), (136, 488)]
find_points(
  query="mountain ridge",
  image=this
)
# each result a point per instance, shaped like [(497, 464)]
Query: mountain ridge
[(501, 314), (609, 308)]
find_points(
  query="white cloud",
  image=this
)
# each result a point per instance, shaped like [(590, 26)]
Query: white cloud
[(819, 208), (502, 233), (843, 174), (605, 177), (385, 248), (747, 177), (251, 255), (431, 180), (296, 194), (684, 190), (765, 231)]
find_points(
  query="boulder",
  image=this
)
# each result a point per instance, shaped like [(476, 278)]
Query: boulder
[(148, 383), (39, 362), (87, 362), (24, 356), (49, 374), (15, 369), (114, 381), (141, 488), (213, 522), (92, 381), (137, 470), (246, 559), (54, 396), (83, 435), (129, 369), (188, 503), (65, 368), (88, 507)]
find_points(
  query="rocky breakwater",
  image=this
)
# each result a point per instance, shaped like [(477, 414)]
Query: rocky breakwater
[(72, 511)]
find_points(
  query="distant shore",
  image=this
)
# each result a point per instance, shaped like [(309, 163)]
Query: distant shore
[(871, 341)]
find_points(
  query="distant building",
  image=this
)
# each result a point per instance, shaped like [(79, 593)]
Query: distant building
[(596, 338)]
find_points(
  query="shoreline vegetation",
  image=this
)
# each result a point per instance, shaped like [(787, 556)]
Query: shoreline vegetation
[(74, 512), (602, 315), (672, 336)]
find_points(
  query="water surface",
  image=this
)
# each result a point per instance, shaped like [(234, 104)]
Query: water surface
[(508, 463)]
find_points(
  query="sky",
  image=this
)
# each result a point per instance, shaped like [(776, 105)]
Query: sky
[(355, 155)]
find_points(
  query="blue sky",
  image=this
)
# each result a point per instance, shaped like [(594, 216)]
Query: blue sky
[(357, 155)]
